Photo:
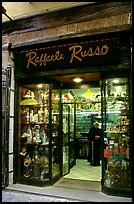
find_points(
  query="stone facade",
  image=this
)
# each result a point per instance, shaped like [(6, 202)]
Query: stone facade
[(8, 107), (85, 20)]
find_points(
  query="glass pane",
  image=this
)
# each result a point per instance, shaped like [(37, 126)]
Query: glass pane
[(65, 160), (72, 136), (55, 132), (33, 131), (116, 151), (65, 140)]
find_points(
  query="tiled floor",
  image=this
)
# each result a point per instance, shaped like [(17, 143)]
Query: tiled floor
[(84, 171)]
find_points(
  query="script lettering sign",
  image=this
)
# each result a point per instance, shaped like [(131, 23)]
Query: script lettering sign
[(69, 55)]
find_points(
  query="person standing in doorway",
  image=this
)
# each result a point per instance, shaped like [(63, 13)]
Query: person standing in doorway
[(94, 137)]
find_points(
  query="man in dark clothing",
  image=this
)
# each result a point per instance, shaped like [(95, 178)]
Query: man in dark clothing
[(94, 137)]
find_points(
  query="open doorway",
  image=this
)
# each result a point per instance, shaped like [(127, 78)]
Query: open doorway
[(87, 110), (83, 100)]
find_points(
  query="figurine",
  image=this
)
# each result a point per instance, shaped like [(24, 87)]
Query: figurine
[(29, 134), (43, 137), (40, 96), (27, 162), (37, 134), (23, 151), (36, 163)]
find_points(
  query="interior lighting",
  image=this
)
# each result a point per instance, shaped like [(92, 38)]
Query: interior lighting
[(115, 81), (77, 79), (39, 85)]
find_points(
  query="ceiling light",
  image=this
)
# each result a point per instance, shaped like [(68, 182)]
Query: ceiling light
[(115, 81), (39, 85), (77, 79)]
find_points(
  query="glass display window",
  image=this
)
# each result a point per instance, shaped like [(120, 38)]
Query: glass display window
[(38, 132), (117, 134)]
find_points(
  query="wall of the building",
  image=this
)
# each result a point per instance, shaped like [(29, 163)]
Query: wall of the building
[(11, 124), (7, 66), (74, 22)]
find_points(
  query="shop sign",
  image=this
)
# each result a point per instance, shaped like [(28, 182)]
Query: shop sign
[(77, 54)]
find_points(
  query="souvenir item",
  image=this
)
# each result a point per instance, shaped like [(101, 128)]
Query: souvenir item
[(29, 99), (37, 133), (43, 137), (23, 151), (27, 162), (36, 163), (29, 134)]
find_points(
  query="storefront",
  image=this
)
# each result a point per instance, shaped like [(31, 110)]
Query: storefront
[(49, 108)]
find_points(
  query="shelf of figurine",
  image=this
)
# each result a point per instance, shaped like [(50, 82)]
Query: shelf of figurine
[(35, 116), (28, 97), (35, 165), (34, 135)]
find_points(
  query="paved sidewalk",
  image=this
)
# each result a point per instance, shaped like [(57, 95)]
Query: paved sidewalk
[(58, 193), (16, 196)]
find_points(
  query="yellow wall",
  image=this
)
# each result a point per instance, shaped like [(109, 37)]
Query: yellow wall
[(17, 10)]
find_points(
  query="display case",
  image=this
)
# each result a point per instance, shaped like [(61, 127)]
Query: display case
[(116, 136), (38, 134)]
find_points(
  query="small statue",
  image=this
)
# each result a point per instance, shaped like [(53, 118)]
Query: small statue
[(40, 96), (29, 134), (43, 137), (27, 162), (37, 134), (23, 151), (36, 163)]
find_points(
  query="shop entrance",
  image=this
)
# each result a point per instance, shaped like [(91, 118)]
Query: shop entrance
[(81, 107), (109, 105), (87, 110), (54, 121)]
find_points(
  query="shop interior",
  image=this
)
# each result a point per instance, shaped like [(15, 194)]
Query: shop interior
[(84, 92)]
